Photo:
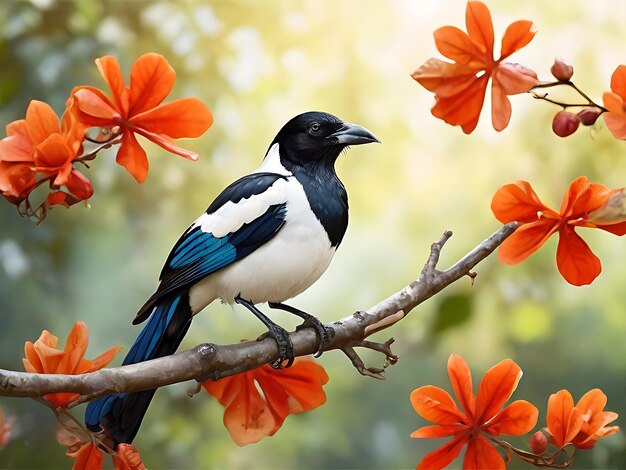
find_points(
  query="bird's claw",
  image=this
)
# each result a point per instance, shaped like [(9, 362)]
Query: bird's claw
[(285, 347), (324, 333)]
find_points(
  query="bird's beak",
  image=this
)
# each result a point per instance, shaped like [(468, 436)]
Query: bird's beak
[(351, 134)]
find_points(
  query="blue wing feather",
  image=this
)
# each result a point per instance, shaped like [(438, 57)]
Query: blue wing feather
[(199, 254)]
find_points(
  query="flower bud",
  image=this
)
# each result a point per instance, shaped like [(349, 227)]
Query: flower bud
[(565, 123), (561, 70), (538, 443), (588, 116)]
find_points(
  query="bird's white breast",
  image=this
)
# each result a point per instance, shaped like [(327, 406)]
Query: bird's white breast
[(280, 269)]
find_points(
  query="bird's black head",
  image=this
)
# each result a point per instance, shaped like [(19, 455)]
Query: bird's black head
[(317, 138)]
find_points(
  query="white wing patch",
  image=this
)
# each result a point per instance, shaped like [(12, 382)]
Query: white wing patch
[(271, 163), (233, 215), (281, 268)]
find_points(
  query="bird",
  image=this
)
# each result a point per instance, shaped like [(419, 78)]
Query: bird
[(266, 238)]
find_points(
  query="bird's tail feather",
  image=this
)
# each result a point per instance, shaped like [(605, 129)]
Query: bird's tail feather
[(121, 414)]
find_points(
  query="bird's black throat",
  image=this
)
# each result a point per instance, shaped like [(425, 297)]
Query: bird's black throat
[(326, 194)]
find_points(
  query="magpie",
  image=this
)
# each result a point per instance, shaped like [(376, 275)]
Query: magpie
[(266, 238)]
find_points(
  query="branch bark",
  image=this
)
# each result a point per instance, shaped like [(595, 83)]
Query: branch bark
[(212, 361)]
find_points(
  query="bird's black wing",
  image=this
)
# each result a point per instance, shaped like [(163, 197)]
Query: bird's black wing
[(234, 225)]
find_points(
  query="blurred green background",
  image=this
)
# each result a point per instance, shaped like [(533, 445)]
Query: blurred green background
[(257, 64)]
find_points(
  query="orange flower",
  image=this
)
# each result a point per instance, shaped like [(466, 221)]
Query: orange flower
[(42, 357), (249, 417), (460, 86), (127, 458), (5, 429), (88, 457), (576, 262), (581, 425), (40, 143), (137, 109), (86, 448), (615, 118), (481, 416)]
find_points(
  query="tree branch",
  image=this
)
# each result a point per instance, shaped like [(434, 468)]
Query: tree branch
[(211, 361)]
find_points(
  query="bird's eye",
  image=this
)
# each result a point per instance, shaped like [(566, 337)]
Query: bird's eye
[(315, 128)]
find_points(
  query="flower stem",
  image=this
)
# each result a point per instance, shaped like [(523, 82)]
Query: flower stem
[(572, 85)]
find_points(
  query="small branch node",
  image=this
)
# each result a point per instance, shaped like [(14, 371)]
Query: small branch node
[(206, 350), (359, 316), (429, 272), (194, 391), (374, 372)]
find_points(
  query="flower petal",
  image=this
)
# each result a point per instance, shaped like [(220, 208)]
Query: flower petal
[(575, 190), (133, 157), (615, 119), (615, 123), (75, 348), (436, 405), (615, 229), (18, 127), (438, 431), (53, 153), (163, 142), (302, 383), (224, 389), (607, 431), (127, 458), (16, 179), (443, 456), (276, 398), (515, 420), (514, 78), (187, 117), (41, 121), (88, 457), (516, 202), (94, 108), (592, 404), (464, 108), (455, 44), (480, 26), (461, 380), (564, 421), (517, 35), (50, 357), (612, 213), (618, 81), (443, 78), (32, 363), (151, 80), (526, 240), (500, 107), (91, 365), (16, 148), (496, 387), (575, 260), (614, 103), (109, 68), (481, 455), (248, 418), (583, 197)]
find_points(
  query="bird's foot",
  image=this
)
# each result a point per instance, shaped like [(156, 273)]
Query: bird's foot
[(285, 347), (324, 333)]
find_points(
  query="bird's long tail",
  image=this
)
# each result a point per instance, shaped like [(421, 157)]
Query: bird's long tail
[(121, 414)]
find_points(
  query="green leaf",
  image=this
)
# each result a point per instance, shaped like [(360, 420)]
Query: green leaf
[(453, 311)]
